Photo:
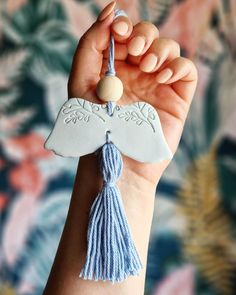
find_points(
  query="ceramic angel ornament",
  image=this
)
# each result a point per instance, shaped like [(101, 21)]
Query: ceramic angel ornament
[(134, 130)]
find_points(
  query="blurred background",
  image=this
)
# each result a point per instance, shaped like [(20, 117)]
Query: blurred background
[(193, 243)]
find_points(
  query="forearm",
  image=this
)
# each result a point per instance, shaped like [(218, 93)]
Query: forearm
[(138, 199)]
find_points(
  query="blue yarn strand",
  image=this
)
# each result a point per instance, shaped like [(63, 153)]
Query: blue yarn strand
[(111, 67), (111, 253)]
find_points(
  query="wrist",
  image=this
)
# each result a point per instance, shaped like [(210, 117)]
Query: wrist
[(138, 178)]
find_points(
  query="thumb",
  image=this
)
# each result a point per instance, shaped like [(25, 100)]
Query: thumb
[(87, 61)]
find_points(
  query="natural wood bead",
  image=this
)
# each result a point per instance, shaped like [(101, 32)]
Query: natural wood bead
[(109, 88)]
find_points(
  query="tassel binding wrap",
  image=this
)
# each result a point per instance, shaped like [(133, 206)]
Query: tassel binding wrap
[(111, 253)]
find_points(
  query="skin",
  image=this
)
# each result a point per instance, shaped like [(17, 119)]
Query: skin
[(167, 81)]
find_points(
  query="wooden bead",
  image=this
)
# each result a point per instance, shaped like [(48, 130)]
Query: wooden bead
[(109, 88)]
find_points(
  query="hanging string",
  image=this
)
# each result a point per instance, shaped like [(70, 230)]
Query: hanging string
[(111, 58)]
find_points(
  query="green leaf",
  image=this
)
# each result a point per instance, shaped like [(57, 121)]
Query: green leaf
[(11, 64), (211, 111), (7, 98), (226, 162), (41, 28)]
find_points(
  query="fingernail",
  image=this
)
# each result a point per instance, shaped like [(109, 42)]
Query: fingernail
[(164, 76), (136, 45), (120, 27), (148, 63), (106, 11)]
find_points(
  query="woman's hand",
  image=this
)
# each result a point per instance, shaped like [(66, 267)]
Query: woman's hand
[(150, 68)]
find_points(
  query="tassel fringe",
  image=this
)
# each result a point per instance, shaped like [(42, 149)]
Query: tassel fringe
[(111, 253)]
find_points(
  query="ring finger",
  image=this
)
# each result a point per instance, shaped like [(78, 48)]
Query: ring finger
[(161, 51)]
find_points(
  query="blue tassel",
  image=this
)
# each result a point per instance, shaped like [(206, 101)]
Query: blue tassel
[(111, 253)]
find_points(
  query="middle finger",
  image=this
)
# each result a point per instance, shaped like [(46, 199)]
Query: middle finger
[(140, 40)]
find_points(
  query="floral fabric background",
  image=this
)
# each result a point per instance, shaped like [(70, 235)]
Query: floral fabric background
[(192, 247)]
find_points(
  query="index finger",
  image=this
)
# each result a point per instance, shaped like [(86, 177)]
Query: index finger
[(121, 28)]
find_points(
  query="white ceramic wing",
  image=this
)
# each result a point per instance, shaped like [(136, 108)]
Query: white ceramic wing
[(135, 129), (80, 128), (137, 133)]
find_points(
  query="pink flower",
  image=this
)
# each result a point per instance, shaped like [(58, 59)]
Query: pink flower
[(27, 178), (178, 282), (188, 22), (17, 227), (3, 200), (2, 163), (13, 5), (29, 146), (26, 288), (79, 15)]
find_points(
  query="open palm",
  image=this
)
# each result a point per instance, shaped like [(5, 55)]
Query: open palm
[(150, 68)]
